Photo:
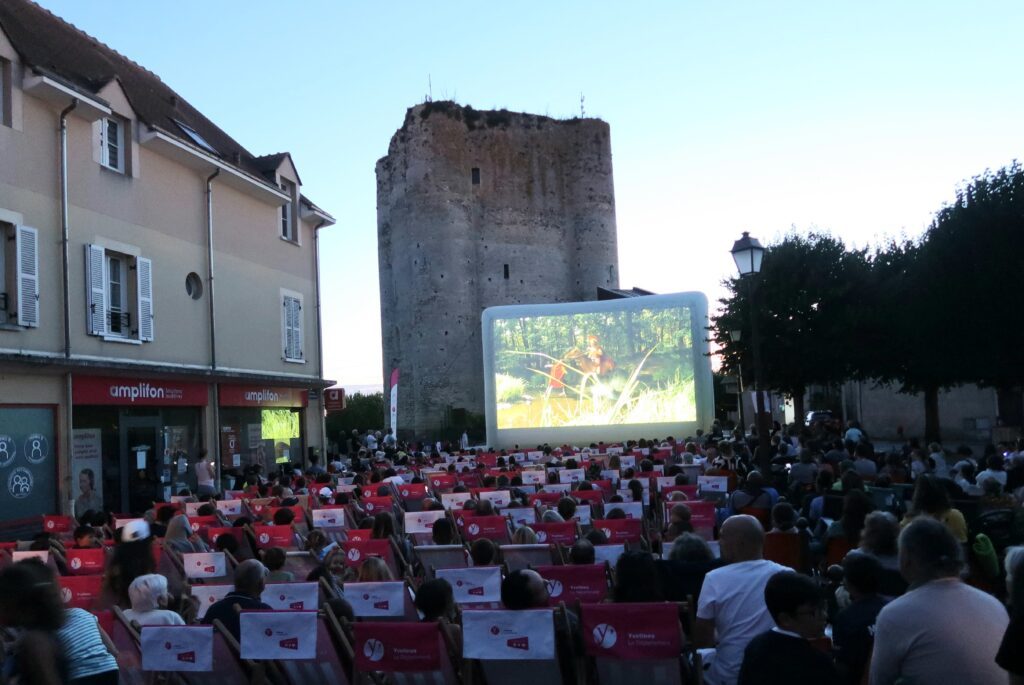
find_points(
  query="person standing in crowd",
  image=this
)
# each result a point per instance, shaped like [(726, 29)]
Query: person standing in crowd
[(205, 475), (942, 630), (732, 598), (56, 645), (784, 654), (132, 557)]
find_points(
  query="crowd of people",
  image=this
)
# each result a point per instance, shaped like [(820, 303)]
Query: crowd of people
[(825, 561)]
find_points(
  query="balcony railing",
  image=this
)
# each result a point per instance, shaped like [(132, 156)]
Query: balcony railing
[(119, 322)]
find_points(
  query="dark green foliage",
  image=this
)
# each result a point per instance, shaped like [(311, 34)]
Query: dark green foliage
[(362, 412)]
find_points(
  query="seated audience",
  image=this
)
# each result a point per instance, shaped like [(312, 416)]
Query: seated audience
[(250, 579), (1010, 655), (853, 629), (581, 553), (636, 579), (932, 500), (274, 559), (784, 654), (731, 601), (942, 630), (149, 602)]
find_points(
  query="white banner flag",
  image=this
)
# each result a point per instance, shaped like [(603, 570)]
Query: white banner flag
[(394, 402), (376, 599), (508, 634), (192, 508), (278, 634), (473, 585), (230, 507), (292, 596), (328, 518), (208, 595), (521, 516), (205, 564), (533, 477), (422, 521), (177, 648)]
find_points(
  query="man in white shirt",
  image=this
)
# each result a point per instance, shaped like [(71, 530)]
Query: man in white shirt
[(732, 598), (853, 433), (942, 630)]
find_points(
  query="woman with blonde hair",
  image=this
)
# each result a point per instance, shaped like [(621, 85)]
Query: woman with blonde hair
[(374, 570)]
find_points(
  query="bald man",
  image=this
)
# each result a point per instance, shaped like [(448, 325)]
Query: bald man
[(732, 598)]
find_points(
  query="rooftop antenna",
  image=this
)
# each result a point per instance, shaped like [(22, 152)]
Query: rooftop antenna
[(583, 112), (430, 89)]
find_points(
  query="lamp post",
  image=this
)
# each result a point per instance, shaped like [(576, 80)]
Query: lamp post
[(735, 337), (748, 253)]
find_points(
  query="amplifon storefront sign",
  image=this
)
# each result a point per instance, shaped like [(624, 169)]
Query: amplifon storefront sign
[(262, 396), (146, 392)]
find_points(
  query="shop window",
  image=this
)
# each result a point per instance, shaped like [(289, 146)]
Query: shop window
[(119, 290), (19, 275), (291, 326)]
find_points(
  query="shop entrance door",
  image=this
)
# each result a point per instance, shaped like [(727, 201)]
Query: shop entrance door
[(141, 445)]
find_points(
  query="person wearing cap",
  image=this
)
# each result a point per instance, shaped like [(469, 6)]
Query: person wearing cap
[(250, 579), (132, 557), (149, 601)]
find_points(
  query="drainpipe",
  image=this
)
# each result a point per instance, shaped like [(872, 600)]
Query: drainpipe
[(213, 326), (320, 343), (65, 233)]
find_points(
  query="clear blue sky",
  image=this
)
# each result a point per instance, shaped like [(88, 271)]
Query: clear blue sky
[(856, 117)]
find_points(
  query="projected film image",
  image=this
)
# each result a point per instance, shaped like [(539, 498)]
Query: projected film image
[(594, 369)]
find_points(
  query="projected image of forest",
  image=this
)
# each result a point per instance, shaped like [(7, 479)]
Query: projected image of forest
[(594, 369)]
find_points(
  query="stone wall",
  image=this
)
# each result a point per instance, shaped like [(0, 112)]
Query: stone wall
[(476, 209)]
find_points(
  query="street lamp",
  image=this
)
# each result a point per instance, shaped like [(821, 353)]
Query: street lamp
[(748, 254), (735, 337)]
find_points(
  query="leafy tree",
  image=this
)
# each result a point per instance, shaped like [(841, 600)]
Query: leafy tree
[(806, 301), (362, 412)]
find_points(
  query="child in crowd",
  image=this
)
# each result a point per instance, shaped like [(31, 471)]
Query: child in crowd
[(274, 559), (784, 655), (85, 538)]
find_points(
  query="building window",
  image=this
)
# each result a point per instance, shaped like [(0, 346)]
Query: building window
[(5, 93), (291, 326), (287, 213), (506, 272), (112, 143), (19, 275), (120, 295), (475, 173)]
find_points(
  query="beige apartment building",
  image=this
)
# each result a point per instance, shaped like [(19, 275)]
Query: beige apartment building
[(159, 290)]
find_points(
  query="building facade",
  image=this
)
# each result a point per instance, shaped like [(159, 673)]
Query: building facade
[(477, 209), (160, 284)]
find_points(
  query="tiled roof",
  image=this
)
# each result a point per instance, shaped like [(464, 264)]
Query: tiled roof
[(51, 44)]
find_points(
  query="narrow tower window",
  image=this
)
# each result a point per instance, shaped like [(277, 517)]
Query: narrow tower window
[(506, 272), (475, 173)]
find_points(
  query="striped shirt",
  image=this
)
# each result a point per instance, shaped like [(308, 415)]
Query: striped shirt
[(83, 648)]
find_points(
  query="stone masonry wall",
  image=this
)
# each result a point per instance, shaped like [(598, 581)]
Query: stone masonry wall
[(538, 227)]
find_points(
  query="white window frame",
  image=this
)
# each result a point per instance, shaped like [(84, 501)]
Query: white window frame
[(99, 306), (289, 230), (292, 330), (121, 144), (120, 307)]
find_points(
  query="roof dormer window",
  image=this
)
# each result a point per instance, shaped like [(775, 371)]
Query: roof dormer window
[(194, 136), (112, 144)]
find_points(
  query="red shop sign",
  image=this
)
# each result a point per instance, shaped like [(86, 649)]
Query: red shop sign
[(148, 392), (262, 396)]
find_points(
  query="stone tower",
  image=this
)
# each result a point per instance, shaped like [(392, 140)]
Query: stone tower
[(476, 209)]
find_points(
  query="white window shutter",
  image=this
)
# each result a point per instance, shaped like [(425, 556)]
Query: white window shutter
[(144, 271), (26, 247), (291, 318), (297, 327), (96, 290)]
